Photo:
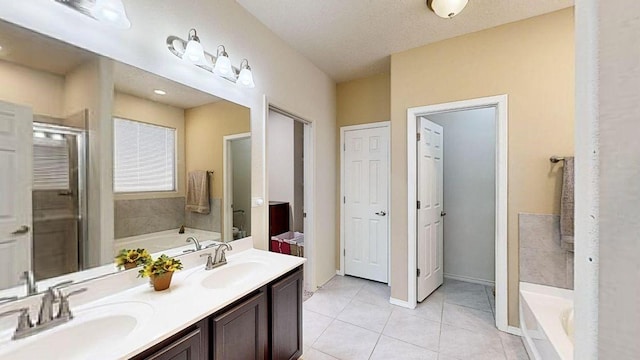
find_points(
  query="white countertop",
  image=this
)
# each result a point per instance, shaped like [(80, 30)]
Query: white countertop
[(170, 311)]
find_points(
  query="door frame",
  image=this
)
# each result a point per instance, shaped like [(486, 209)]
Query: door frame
[(310, 251), (227, 214), (500, 102), (343, 130)]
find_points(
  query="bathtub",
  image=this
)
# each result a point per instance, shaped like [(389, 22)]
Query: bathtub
[(546, 321), (165, 242)]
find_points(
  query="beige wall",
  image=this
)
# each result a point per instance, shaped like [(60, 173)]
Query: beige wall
[(205, 126), (533, 62), (359, 101), (42, 91), (131, 107), (90, 87)]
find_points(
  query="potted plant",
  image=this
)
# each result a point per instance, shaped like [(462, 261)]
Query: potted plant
[(131, 258), (160, 271)]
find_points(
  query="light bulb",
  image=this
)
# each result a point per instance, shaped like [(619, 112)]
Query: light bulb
[(448, 8), (194, 53), (223, 66), (112, 12), (245, 78)]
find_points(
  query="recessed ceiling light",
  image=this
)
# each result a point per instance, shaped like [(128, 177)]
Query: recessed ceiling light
[(160, 92)]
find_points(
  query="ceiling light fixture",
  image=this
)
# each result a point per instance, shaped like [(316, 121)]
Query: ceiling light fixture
[(160, 92), (447, 8), (220, 64), (110, 12)]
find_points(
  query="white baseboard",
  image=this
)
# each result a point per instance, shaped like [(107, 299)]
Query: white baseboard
[(470, 279), (340, 272), (514, 330), (402, 303)]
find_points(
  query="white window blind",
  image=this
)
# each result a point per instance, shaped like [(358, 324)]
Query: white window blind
[(144, 157), (50, 164)]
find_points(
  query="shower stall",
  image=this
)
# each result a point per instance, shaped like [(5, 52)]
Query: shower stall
[(59, 199)]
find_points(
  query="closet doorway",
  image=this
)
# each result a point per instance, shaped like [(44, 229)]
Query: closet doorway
[(428, 201), (290, 186)]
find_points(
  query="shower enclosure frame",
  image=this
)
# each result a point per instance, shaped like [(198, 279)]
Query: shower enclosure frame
[(80, 186)]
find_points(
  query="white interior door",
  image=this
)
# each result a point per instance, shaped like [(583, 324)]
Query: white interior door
[(366, 188), (430, 195), (16, 137)]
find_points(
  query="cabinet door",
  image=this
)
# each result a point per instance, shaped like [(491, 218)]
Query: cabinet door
[(286, 317), (187, 347), (241, 332)]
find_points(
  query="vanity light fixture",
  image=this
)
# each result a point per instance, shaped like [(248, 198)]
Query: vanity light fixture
[(220, 64), (160, 92), (245, 78), (110, 12), (194, 53), (447, 8), (223, 64)]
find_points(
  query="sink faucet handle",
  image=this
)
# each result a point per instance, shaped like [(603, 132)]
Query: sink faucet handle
[(24, 320), (64, 312), (209, 265)]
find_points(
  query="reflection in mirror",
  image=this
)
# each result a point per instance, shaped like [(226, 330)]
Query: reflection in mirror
[(99, 156), (169, 165)]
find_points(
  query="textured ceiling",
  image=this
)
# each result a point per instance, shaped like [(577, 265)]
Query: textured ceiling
[(36, 51), (350, 39)]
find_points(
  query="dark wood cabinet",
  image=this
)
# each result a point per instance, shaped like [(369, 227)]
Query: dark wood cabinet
[(278, 218), (285, 299), (241, 333), (188, 345), (264, 325)]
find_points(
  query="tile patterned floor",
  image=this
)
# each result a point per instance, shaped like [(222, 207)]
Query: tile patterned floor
[(351, 319)]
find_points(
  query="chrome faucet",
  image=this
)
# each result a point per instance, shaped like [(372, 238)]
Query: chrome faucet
[(195, 241), (46, 321), (218, 258), (30, 282), (46, 307)]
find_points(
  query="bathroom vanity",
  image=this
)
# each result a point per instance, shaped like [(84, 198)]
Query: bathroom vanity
[(265, 324), (250, 308)]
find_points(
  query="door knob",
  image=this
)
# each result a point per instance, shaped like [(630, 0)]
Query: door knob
[(381, 213), (21, 230), (443, 213)]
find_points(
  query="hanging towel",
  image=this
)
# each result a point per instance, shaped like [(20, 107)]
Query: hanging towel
[(567, 205), (198, 192)]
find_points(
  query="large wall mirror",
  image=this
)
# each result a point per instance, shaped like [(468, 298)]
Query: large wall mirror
[(99, 156)]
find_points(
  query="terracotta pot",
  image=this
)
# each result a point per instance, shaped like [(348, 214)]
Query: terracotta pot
[(129, 266), (162, 282)]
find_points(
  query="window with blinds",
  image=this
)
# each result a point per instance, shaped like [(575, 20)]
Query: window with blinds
[(50, 163), (144, 157)]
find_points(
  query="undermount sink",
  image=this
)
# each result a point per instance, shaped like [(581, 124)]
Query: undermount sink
[(233, 275), (100, 327)]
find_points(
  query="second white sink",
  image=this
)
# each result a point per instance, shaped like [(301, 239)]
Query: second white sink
[(233, 275)]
